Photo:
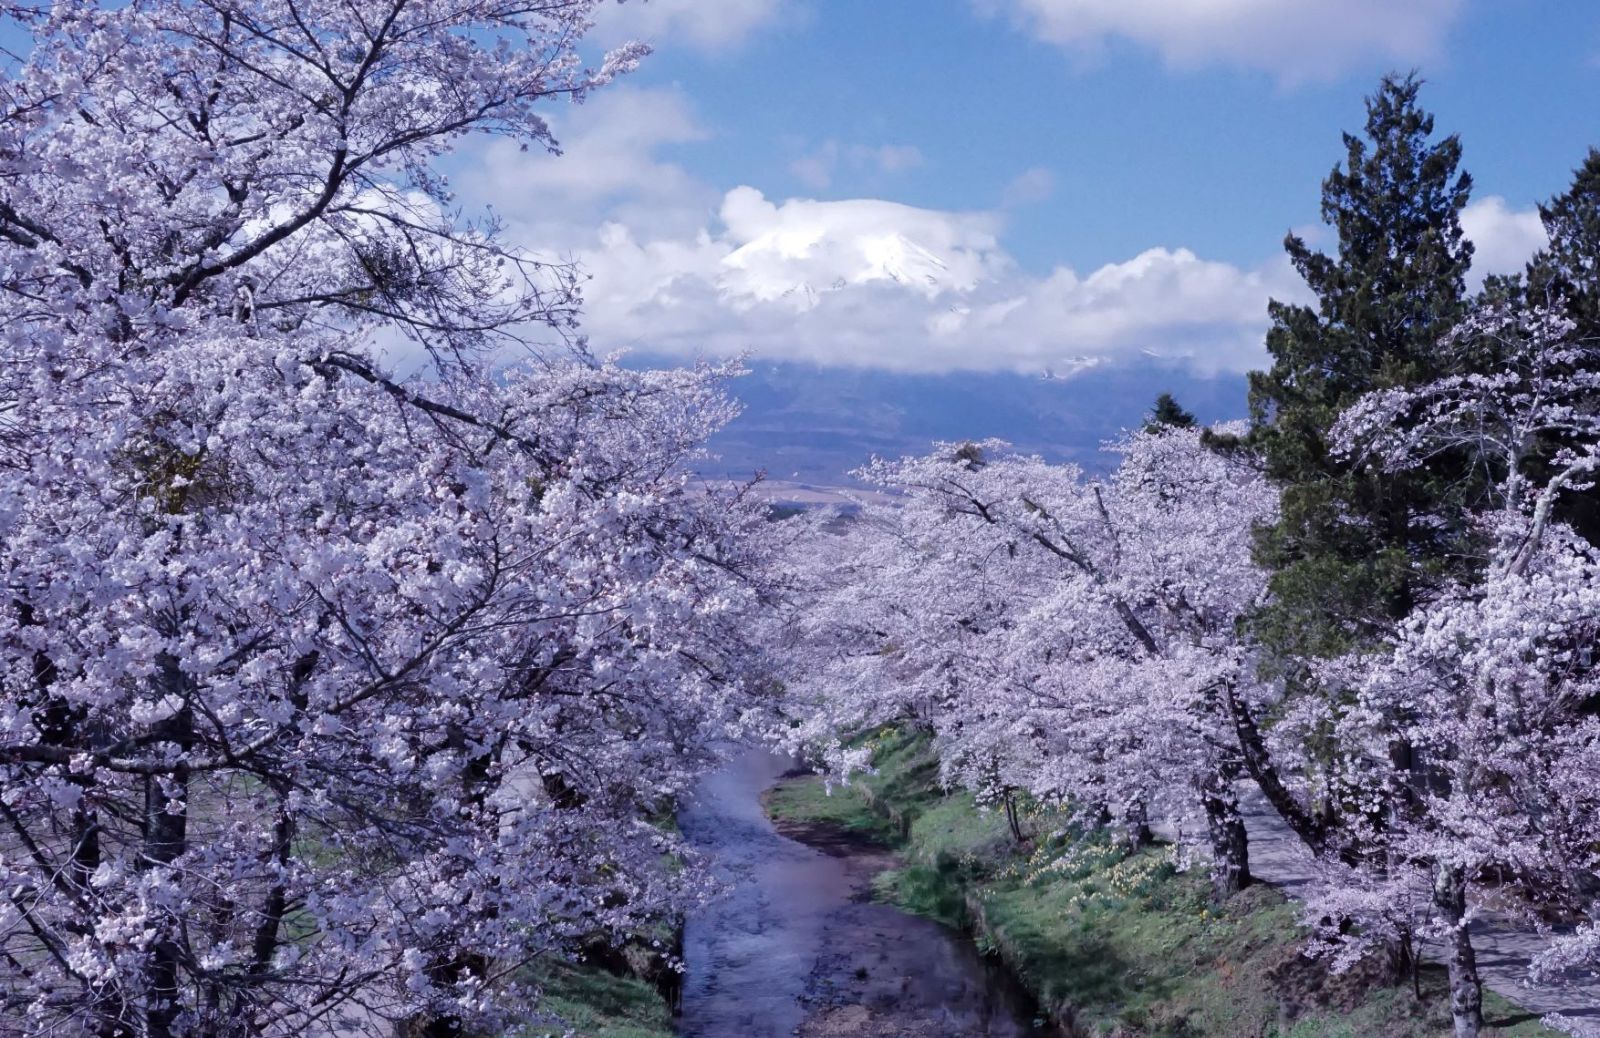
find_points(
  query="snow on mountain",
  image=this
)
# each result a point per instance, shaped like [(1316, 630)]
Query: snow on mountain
[(865, 282), (804, 249)]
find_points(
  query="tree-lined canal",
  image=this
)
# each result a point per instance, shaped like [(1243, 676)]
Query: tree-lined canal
[(794, 946)]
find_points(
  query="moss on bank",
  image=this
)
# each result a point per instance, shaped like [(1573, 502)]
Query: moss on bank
[(590, 1002), (624, 990), (1113, 944)]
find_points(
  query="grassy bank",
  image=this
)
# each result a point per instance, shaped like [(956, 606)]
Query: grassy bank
[(591, 1002), (619, 991), (1113, 944)]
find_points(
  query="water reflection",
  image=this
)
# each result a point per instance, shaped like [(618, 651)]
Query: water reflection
[(792, 947)]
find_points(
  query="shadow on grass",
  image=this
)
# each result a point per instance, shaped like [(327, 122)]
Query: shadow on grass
[(1509, 1021)]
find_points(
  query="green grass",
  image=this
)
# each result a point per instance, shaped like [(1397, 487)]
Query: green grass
[(1124, 945), (809, 799), (596, 1004)]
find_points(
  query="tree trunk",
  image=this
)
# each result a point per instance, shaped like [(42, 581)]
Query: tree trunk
[(448, 971), (62, 724), (1466, 991), (166, 831), (1011, 816), (1136, 826), (1230, 846), (1257, 761)]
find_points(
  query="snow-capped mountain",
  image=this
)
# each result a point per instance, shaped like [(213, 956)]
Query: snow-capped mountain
[(803, 250)]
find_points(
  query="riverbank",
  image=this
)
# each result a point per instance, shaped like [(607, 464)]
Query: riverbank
[(592, 1002), (1110, 944), (797, 943)]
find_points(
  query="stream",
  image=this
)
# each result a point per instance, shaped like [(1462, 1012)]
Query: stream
[(795, 947)]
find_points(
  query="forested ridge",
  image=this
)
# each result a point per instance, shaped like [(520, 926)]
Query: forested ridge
[(362, 628)]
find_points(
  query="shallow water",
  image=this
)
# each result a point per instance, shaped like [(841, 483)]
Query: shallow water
[(793, 946)]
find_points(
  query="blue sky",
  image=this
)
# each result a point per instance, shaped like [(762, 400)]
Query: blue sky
[(1222, 158), (995, 189)]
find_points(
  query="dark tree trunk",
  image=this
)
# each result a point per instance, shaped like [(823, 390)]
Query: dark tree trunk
[(63, 724), (1230, 844), (447, 971), (1313, 830), (1466, 990), (1009, 797), (1136, 826), (166, 831)]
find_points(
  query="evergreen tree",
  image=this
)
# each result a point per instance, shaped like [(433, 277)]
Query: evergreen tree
[(1352, 548), (1168, 414), (1566, 272), (1356, 548), (1568, 269)]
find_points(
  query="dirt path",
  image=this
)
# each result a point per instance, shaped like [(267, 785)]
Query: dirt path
[(1504, 946)]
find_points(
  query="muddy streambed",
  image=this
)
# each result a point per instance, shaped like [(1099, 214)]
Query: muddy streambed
[(795, 947)]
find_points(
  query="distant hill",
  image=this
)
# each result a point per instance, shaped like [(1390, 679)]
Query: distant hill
[(812, 425)]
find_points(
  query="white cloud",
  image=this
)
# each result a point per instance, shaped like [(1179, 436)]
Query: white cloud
[(1029, 187), (609, 166), (1294, 40), (876, 284), (609, 151), (1503, 239), (816, 168), (708, 25), (895, 158), (678, 266)]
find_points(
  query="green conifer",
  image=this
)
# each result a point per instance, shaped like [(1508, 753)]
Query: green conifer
[(1168, 414), (1354, 546), (1568, 269)]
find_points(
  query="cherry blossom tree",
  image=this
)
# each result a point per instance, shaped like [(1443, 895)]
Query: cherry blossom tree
[(1069, 636), (1494, 681), (1079, 638), (328, 698)]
